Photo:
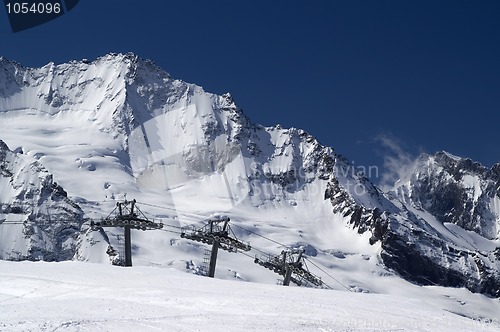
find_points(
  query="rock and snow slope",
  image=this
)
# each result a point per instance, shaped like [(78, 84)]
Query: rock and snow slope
[(122, 126), (28, 193), (456, 204)]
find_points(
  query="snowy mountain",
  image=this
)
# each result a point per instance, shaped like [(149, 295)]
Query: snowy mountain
[(28, 194), (454, 240), (455, 190), (121, 127)]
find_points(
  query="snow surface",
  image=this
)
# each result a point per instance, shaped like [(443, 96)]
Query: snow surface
[(75, 296)]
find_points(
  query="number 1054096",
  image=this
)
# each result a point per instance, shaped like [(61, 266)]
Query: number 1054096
[(33, 8)]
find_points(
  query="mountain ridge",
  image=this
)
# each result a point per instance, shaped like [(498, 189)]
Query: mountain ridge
[(122, 125)]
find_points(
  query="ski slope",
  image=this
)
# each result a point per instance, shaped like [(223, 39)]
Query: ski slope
[(76, 296)]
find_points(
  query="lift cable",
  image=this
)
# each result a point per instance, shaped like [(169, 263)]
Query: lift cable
[(44, 223), (166, 230), (262, 236), (283, 245), (173, 226), (261, 251), (32, 222), (197, 215), (193, 215), (244, 253), (305, 264), (322, 270)]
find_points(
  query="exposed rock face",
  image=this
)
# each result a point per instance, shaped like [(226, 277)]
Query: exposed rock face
[(38, 221), (446, 191), (455, 190), (438, 225)]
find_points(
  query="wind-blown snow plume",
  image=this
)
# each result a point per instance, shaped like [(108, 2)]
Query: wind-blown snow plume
[(397, 161)]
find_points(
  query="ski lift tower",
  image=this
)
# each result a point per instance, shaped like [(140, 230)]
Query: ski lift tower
[(290, 264), (127, 215), (217, 233)]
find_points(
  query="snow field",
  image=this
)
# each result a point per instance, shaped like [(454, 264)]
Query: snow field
[(75, 296)]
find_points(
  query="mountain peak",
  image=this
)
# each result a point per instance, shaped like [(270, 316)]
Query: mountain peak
[(120, 124), (133, 63), (3, 146), (458, 165), (6, 61)]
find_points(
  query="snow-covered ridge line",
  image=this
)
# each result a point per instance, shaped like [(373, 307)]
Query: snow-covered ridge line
[(120, 125)]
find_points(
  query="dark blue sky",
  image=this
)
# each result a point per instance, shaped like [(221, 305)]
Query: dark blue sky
[(424, 75)]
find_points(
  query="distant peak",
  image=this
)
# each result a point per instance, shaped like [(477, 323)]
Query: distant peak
[(439, 157), (229, 101), (3, 145), (117, 57), (6, 61), (444, 154), (128, 57), (134, 63), (451, 162), (228, 97)]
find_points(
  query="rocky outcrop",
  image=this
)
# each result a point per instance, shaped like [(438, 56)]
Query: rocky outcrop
[(437, 226), (37, 220)]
